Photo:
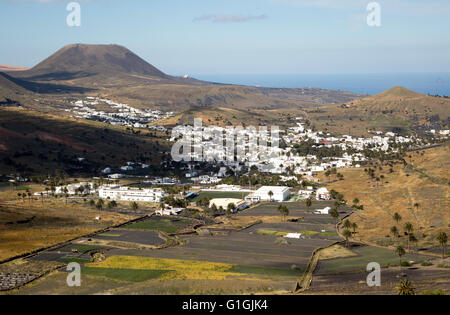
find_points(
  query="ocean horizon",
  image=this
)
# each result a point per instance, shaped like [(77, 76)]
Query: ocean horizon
[(426, 83)]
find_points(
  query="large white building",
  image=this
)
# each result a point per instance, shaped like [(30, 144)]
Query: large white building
[(132, 194), (279, 193)]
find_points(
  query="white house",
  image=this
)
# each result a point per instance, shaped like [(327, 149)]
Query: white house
[(279, 193), (172, 211), (132, 194), (116, 176), (323, 194), (322, 211), (293, 235)]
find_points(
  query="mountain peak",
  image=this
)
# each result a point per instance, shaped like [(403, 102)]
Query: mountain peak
[(78, 60), (398, 91)]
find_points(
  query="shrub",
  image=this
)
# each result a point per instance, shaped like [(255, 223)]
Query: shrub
[(431, 292)]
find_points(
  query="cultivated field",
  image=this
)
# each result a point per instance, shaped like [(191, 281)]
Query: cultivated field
[(28, 225)]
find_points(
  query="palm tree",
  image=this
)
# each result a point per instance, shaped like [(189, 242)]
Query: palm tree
[(134, 206), (397, 217), (354, 227), (409, 228), (335, 214), (347, 234), (347, 224), (230, 208), (270, 195), (284, 211), (412, 239), (405, 288), (400, 251), (308, 202), (442, 238), (394, 231), (99, 205)]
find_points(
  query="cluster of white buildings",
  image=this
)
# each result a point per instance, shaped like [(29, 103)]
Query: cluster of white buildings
[(126, 193), (117, 114), (277, 160)]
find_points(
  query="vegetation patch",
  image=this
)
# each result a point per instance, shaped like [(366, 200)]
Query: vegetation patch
[(385, 257), (335, 251), (160, 224), (132, 275), (176, 269)]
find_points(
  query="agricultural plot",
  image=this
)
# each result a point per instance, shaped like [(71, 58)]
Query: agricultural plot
[(163, 224), (297, 209), (242, 248), (220, 194), (365, 254), (308, 231), (425, 280), (131, 236)]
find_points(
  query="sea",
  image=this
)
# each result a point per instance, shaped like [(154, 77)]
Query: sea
[(371, 84)]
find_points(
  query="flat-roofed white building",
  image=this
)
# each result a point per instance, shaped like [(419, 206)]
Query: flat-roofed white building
[(279, 193), (224, 202), (132, 194), (323, 194)]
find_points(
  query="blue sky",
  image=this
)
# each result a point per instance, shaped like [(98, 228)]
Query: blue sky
[(239, 36)]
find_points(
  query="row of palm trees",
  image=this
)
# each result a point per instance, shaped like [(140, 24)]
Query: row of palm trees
[(347, 233), (408, 227)]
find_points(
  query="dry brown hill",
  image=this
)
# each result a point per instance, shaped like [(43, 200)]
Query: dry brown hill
[(397, 109), (12, 68), (81, 61)]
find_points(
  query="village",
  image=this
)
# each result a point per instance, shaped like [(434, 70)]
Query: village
[(294, 171), (117, 113)]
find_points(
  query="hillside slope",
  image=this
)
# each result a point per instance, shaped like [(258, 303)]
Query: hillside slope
[(36, 143), (397, 109), (421, 195)]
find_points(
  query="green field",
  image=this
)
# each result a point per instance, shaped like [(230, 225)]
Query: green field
[(163, 225), (220, 194), (385, 257), (8, 186), (131, 275)]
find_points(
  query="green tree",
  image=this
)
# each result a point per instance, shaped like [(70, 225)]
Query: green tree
[(400, 251), (347, 234), (284, 211), (412, 239), (409, 228), (405, 288), (308, 203), (335, 214), (347, 224), (394, 231), (354, 227), (397, 217), (442, 238), (230, 208)]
